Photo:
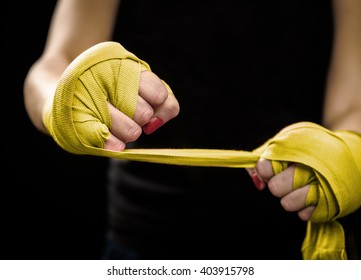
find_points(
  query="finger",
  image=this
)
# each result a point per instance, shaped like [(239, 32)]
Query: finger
[(152, 89), (114, 144), (163, 113), (257, 181), (282, 183), (123, 127), (155, 92), (143, 112), (264, 169), (295, 200), (306, 213)]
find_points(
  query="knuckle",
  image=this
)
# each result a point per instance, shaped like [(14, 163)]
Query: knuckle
[(173, 109), (286, 204), (306, 213), (274, 188), (304, 216), (160, 93), (264, 169)]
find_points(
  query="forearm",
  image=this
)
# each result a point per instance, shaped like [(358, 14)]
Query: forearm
[(79, 24), (40, 84), (75, 26), (343, 93)]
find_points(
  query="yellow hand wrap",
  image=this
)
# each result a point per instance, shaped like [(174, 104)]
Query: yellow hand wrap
[(79, 121), (331, 163), (78, 118)]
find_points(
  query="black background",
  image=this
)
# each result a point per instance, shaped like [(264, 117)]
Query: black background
[(52, 202)]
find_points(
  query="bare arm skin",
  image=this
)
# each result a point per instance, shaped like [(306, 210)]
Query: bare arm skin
[(343, 96)]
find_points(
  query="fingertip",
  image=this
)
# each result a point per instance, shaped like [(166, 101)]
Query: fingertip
[(114, 144), (152, 125), (306, 213), (257, 181)]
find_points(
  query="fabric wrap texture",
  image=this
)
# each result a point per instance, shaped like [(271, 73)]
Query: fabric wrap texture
[(78, 119)]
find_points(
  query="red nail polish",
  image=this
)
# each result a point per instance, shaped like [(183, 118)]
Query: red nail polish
[(152, 125), (257, 181)]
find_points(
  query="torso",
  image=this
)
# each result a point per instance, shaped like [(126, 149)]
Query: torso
[(241, 72)]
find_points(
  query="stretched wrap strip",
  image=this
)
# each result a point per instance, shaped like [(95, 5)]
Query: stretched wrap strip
[(78, 119)]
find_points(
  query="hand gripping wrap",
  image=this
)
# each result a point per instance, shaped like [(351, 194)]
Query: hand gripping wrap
[(79, 120), (331, 163)]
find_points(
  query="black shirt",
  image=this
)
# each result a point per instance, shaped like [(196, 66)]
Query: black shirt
[(241, 71)]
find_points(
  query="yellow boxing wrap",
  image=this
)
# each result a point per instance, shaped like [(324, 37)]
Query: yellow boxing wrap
[(331, 163), (79, 121), (78, 118)]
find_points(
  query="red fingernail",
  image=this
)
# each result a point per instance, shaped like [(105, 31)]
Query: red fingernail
[(152, 125), (257, 181)]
